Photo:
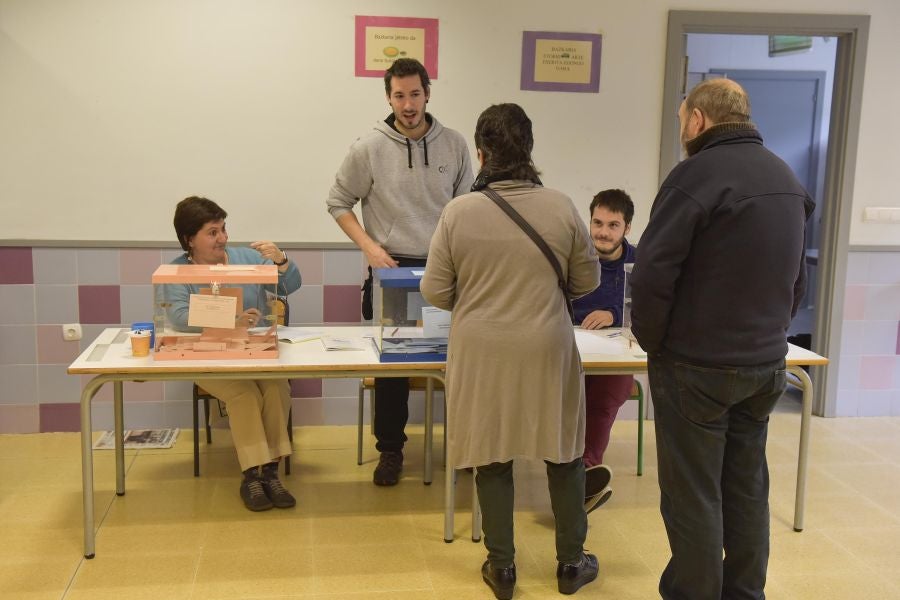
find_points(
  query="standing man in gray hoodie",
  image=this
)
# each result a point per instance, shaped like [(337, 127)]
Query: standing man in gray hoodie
[(404, 171)]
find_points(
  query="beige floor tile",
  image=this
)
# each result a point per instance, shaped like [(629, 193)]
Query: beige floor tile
[(372, 595), (393, 537), (382, 566), (837, 586), (254, 573), (809, 553), (135, 574), (877, 547), (31, 575)]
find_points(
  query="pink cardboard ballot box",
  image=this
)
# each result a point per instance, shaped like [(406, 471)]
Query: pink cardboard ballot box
[(215, 312)]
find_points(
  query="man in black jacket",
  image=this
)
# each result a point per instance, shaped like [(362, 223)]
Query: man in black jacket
[(720, 275)]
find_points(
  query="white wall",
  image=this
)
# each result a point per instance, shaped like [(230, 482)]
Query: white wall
[(112, 110)]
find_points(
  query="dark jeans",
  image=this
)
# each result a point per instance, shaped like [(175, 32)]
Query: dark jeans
[(391, 394), (496, 493), (711, 427)]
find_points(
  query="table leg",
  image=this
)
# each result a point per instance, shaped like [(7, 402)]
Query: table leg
[(449, 501), (429, 428), (87, 465), (805, 417), (118, 416)]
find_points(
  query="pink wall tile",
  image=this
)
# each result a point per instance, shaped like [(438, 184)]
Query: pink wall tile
[(306, 388), (876, 372), (19, 418), (855, 302), (99, 304), (147, 391), (308, 411), (898, 337), (136, 265), (52, 348), (16, 265), (311, 264), (60, 417), (342, 304)]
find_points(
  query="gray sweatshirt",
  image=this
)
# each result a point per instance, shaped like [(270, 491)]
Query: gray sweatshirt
[(403, 184)]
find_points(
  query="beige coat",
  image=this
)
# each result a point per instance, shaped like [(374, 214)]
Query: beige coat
[(515, 385)]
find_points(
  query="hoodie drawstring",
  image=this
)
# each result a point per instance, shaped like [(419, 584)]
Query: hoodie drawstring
[(409, 151)]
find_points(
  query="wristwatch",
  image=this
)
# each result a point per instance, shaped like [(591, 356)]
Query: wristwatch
[(284, 260)]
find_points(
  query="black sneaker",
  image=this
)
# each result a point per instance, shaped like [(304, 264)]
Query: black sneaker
[(596, 479), (390, 464), (275, 491), (252, 492), (501, 581), (571, 577)]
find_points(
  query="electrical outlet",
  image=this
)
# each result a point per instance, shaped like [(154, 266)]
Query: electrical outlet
[(71, 331)]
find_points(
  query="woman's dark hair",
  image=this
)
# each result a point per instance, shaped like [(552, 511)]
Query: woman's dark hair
[(503, 134), (192, 214)]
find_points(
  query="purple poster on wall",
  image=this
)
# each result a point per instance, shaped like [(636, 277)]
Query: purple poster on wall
[(560, 62)]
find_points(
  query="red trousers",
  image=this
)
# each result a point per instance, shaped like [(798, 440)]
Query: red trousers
[(604, 395)]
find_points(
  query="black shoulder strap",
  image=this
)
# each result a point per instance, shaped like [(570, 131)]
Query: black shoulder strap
[(537, 239)]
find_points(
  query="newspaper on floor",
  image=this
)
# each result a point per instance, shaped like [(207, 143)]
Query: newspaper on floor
[(136, 439)]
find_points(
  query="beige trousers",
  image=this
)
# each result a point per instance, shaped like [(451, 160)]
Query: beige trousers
[(257, 413)]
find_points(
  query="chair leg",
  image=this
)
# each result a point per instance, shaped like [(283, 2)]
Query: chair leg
[(196, 435), (359, 423), (640, 450), (208, 428), (287, 459)]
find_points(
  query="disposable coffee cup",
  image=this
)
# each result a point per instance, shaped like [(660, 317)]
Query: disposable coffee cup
[(140, 343), (145, 326)]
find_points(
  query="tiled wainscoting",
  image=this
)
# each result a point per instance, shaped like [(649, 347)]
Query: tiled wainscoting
[(869, 371), (42, 288)]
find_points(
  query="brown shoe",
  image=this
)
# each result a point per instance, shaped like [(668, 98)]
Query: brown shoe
[(390, 465)]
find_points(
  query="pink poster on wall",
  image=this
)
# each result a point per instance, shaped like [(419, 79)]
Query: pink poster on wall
[(382, 40)]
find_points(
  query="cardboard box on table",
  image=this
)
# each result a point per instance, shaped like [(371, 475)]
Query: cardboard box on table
[(219, 294), (410, 329)]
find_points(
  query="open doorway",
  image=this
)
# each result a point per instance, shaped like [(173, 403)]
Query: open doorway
[(834, 199), (789, 92)]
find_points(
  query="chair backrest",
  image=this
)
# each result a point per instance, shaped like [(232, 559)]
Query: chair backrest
[(281, 309)]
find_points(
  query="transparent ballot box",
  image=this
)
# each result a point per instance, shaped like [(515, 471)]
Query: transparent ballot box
[(411, 330), (215, 312)]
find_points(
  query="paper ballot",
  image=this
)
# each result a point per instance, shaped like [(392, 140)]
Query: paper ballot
[(436, 322), (211, 311)]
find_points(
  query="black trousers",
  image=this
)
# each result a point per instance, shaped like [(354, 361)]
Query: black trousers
[(391, 394), (711, 429), (496, 492)]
